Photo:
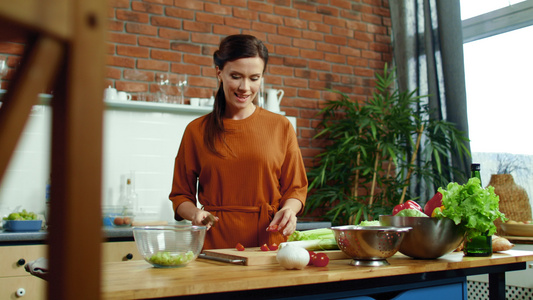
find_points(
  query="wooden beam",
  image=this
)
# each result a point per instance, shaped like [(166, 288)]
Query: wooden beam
[(77, 29), (77, 124)]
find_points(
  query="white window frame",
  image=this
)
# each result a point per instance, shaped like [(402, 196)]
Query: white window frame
[(498, 21)]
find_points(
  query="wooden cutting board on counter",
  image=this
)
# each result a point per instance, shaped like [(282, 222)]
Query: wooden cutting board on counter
[(256, 257)]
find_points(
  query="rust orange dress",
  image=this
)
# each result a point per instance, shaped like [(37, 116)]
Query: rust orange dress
[(261, 167)]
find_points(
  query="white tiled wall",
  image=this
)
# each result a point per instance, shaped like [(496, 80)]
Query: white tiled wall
[(146, 143), (24, 182), (143, 142)]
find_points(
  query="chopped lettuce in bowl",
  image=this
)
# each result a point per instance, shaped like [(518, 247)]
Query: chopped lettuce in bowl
[(370, 223), (409, 212)]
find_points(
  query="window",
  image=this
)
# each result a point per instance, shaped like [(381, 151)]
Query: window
[(474, 8), (498, 77)]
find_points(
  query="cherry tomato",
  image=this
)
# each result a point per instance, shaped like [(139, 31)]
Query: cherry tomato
[(312, 257), (239, 247), (264, 247), (272, 228), (321, 260), (273, 247)]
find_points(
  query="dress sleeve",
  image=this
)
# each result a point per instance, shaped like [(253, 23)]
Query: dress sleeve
[(293, 179), (185, 177)]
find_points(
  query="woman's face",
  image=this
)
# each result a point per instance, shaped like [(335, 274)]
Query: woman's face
[(242, 81)]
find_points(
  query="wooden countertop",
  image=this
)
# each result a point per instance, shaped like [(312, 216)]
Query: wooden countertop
[(138, 279)]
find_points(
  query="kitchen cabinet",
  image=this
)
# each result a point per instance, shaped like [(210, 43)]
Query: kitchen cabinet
[(15, 257), (442, 292), (17, 283), (120, 251), (22, 287)]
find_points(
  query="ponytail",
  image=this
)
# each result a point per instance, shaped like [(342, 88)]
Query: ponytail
[(214, 129)]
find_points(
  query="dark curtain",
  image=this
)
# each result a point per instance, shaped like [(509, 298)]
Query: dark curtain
[(428, 54)]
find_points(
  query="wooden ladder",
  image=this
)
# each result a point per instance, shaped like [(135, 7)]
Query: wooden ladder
[(66, 51)]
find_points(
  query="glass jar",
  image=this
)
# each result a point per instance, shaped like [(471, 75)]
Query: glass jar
[(480, 245)]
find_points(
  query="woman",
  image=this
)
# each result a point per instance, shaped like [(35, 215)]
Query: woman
[(243, 161)]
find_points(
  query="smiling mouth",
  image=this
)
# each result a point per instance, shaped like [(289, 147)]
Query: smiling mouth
[(242, 98)]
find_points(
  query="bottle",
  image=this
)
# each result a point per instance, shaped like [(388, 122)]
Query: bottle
[(122, 202), (475, 172), (480, 245), (131, 197)]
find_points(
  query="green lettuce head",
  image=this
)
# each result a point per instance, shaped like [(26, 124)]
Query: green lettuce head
[(471, 206)]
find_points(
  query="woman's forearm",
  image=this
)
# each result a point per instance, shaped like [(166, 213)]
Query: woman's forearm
[(187, 210), (293, 204)]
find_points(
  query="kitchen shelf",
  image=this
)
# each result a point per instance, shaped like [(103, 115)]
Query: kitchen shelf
[(158, 107), (45, 99), (162, 107)]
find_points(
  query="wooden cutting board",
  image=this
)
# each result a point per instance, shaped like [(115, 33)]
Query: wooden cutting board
[(256, 257)]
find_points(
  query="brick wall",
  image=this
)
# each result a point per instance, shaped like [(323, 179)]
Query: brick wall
[(313, 45)]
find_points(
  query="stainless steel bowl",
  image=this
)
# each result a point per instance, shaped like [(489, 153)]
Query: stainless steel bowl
[(369, 245), (430, 238)]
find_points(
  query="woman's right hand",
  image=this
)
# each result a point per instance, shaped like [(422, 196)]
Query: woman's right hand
[(202, 217), (199, 217)]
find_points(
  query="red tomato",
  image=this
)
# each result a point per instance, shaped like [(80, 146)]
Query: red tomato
[(239, 247), (272, 228), (321, 260), (264, 247), (273, 247), (312, 257)]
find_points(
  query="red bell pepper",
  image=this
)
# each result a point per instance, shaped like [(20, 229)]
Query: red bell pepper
[(409, 204), (434, 202)]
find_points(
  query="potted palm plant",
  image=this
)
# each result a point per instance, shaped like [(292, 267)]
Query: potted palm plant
[(371, 153)]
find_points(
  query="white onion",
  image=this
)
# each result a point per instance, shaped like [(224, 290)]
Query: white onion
[(293, 257)]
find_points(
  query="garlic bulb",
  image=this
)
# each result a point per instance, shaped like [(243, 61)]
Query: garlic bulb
[(293, 257)]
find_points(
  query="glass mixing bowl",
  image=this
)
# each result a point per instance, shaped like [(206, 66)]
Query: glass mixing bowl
[(169, 246)]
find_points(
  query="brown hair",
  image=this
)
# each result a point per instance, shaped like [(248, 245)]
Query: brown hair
[(231, 48)]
